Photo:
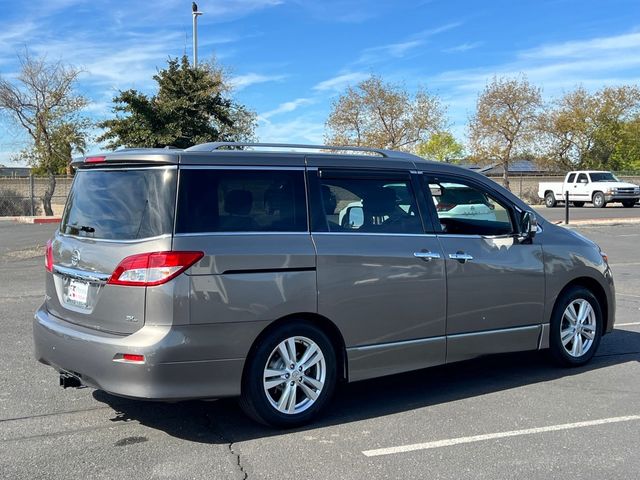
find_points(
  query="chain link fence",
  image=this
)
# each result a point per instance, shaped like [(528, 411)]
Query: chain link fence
[(23, 195)]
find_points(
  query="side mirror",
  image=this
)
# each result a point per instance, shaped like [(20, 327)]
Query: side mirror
[(528, 226), (353, 218), (584, 180)]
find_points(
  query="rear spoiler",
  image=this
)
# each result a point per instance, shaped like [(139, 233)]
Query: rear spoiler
[(128, 156)]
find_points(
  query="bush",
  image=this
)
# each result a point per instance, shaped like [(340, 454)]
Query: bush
[(14, 204), (530, 195)]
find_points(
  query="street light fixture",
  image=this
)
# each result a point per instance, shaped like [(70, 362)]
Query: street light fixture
[(196, 14)]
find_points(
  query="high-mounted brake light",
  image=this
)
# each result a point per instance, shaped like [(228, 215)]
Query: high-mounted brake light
[(48, 256), (99, 159), (155, 268)]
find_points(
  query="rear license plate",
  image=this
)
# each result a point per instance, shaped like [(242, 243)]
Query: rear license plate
[(77, 293)]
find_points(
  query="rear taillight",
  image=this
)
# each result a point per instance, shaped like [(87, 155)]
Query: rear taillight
[(155, 268), (48, 257)]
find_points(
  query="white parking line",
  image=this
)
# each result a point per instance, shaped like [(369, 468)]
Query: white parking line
[(492, 436), (626, 324)]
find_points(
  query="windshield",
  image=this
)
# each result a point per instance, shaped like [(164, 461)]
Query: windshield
[(603, 177), (121, 204)]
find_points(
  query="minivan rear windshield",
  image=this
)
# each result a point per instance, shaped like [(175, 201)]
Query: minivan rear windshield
[(115, 204)]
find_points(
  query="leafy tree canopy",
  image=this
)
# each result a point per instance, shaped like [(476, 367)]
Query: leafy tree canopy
[(504, 123), (42, 101), (441, 146), (382, 115), (592, 129), (191, 106)]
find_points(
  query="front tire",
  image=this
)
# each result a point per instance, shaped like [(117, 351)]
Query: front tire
[(576, 327), (598, 200), (290, 376), (549, 199)]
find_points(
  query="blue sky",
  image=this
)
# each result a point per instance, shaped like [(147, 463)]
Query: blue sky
[(290, 58)]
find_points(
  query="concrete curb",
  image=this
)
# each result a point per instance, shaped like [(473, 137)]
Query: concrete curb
[(33, 220), (599, 222)]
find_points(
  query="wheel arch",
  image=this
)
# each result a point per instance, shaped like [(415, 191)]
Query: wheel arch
[(319, 321), (598, 291)]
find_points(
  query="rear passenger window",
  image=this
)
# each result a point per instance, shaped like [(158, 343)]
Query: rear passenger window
[(221, 200), (370, 206)]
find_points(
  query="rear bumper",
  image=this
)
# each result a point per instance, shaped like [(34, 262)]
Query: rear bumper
[(178, 360)]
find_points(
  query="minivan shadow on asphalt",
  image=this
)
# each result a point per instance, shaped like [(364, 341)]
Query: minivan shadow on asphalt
[(222, 421)]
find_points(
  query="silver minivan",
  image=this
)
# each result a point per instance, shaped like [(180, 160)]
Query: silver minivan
[(256, 271)]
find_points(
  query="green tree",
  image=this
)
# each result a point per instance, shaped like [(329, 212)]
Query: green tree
[(503, 126), (441, 146), (382, 115), (191, 106), (626, 152), (42, 101), (591, 130)]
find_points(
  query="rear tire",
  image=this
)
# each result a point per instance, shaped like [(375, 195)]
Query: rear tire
[(578, 204), (279, 388), (576, 327), (628, 203), (598, 200), (550, 200)]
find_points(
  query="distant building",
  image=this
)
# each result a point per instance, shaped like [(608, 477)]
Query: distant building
[(14, 171), (516, 168)]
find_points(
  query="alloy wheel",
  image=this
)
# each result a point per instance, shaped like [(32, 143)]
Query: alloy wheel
[(294, 375), (578, 327)]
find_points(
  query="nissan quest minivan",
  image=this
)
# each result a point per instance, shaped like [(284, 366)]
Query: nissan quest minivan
[(272, 274)]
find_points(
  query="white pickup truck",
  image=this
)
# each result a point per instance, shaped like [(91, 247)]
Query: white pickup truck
[(584, 186)]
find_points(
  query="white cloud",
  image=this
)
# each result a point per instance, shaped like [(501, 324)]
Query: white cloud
[(240, 82), (302, 129), (400, 49), (286, 107), (441, 29), (463, 47), (559, 66), (585, 48), (392, 50), (339, 82)]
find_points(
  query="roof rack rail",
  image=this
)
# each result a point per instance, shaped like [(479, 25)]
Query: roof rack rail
[(212, 146)]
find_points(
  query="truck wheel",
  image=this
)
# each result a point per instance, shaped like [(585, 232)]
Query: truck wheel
[(549, 200), (290, 376), (628, 203), (598, 200), (578, 204)]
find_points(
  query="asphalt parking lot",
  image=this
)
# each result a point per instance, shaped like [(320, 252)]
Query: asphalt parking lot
[(509, 416), (588, 212)]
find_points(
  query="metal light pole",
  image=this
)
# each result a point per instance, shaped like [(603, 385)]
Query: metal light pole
[(196, 14)]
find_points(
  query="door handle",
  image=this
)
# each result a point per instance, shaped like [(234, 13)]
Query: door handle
[(426, 256), (460, 256)]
